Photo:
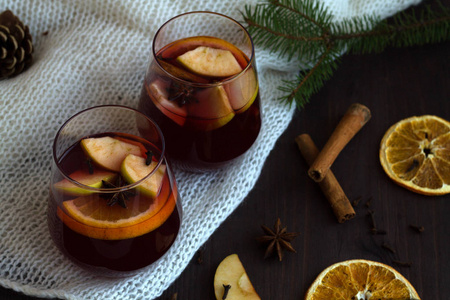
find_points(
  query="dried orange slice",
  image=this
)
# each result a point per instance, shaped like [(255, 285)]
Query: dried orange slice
[(92, 217), (415, 153), (360, 279)]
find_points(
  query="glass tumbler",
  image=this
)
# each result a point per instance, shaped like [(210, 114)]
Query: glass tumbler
[(201, 87), (113, 206)]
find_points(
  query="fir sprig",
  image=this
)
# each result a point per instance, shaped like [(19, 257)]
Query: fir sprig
[(304, 30)]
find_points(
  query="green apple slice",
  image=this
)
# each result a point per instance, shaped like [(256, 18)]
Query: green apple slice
[(134, 168), (93, 180), (108, 152), (242, 91), (211, 110), (209, 61)]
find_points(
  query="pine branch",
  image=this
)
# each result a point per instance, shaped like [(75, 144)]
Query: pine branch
[(310, 81), (304, 29)]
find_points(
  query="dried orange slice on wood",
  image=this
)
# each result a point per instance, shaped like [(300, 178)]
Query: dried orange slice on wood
[(415, 153), (360, 279)]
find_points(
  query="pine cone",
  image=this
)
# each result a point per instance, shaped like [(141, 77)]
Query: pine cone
[(16, 46)]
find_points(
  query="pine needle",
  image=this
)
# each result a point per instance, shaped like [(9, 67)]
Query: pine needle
[(299, 29)]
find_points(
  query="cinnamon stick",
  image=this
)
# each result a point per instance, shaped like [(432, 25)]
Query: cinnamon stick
[(354, 119), (342, 208)]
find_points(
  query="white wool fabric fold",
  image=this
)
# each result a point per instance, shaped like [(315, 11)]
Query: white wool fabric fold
[(95, 52)]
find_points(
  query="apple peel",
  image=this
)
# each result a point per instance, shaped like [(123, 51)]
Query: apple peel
[(134, 169), (93, 180)]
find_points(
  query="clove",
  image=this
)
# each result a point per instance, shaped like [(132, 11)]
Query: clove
[(402, 263), (356, 201), (90, 166), (419, 229), (388, 247), (225, 292)]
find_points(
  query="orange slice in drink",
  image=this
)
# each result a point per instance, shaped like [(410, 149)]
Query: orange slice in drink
[(92, 217), (360, 279), (415, 153)]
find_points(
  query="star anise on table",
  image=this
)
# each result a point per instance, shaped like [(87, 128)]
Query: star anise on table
[(119, 198), (279, 239)]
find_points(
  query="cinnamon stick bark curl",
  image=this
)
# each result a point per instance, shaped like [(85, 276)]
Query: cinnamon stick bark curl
[(354, 119), (342, 208)]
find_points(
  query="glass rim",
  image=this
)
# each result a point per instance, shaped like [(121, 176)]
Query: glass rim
[(250, 63), (107, 190)]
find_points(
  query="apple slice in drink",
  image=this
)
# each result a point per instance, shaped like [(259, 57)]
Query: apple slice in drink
[(207, 61), (180, 73), (108, 152), (93, 180), (211, 109), (231, 272), (242, 91), (159, 94), (134, 168), (179, 47)]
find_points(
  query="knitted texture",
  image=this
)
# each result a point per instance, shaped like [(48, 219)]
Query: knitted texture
[(87, 53)]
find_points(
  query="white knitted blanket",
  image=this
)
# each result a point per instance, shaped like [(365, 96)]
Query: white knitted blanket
[(96, 52)]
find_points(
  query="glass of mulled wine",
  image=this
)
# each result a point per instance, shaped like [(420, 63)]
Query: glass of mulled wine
[(113, 206), (201, 87)]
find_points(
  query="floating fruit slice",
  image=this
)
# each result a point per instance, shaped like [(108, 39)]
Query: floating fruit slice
[(415, 153), (132, 142), (211, 110), (108, 152), (94, 211), (242, 91), (93, 180), (360, 279), (92, 217), (134, 169), (181, 73), (158, 92), (231, 272), (179, 47), (209, 61)]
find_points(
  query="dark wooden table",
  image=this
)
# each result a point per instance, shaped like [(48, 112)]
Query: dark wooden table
[(395, 84)]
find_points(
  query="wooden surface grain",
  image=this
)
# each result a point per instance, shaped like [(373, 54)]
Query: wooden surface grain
[(395, 84)]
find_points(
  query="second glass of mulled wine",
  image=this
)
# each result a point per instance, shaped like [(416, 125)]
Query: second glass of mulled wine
[(201, 87)]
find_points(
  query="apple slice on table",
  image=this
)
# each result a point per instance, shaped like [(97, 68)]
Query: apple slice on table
[(211, 110), (108, 152), (134, 168), (160, 96), (93, 180), (242, 91), (209, 61), (231, 272)]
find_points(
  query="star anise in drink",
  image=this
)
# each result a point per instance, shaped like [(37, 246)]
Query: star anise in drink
[(181, 93), (277, 239), (120, 197)]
